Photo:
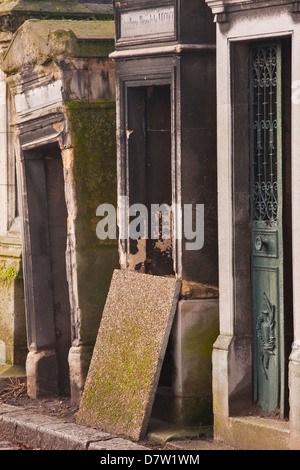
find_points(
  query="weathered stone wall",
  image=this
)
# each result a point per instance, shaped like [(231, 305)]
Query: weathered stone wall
[(12, 309), (90, 177), (12, 16), (64, 94), (12, 314), (93, 129)]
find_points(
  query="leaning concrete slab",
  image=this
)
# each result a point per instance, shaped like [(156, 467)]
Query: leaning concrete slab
[(129, 352)]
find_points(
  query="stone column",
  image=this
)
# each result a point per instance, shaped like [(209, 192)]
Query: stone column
[(3, 157), (12, 315), (294, 364), (89, 173), (79, 354), (221, 351)]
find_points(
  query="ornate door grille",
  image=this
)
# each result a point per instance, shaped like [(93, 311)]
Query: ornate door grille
[(265, 125), (264, 128)]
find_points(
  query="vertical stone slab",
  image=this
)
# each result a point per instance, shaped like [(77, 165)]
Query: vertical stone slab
[(129, 351), (196, 328)]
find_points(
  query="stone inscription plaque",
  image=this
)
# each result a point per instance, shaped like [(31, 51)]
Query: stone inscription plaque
[(128, 354), (148, 22)]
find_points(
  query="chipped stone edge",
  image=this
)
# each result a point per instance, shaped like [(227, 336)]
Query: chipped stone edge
[(20, 426)]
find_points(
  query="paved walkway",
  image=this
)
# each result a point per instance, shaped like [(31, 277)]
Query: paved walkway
[(50, 433), (43, 432)]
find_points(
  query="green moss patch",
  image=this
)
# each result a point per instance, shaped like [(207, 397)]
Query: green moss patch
[(8, 275), (95, 165), (95, 174)]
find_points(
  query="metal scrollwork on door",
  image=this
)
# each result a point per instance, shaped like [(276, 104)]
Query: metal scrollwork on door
[(266, 94), (264, 132), (265, 327)]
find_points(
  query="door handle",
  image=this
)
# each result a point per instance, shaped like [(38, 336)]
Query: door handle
[(259, 243)]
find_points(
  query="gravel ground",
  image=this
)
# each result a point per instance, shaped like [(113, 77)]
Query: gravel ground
[(16, 394)]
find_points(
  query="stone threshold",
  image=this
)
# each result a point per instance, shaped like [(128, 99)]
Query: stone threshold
[(254, 433)]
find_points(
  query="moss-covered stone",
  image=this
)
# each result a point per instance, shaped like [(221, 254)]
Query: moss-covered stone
[(95, 171), (54, 8), (40, 41), (127, 358), (95, 177), (13, 14), (8, 275), (12, 314)]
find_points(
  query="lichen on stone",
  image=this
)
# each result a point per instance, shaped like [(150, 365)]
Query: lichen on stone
[(8, 275)]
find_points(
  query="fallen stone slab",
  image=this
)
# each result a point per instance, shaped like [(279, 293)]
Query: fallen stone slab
[(129, 351)]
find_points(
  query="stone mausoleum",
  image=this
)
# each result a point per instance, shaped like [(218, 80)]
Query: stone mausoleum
[(181, 104), (166, 142), (256, 368), (58, 100), (98, 112)]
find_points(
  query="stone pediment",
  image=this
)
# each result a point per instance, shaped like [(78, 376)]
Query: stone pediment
[(219, 5), (38, 41)]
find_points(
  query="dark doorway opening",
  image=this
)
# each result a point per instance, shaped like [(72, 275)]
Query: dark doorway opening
[(150, 175), (47, 229)]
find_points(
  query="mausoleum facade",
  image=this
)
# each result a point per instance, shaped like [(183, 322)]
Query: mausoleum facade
[(256, 356)]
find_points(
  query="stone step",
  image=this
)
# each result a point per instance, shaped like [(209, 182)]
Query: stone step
[(5, 445)]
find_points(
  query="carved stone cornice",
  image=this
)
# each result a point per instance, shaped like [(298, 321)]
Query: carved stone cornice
[(222, 8)]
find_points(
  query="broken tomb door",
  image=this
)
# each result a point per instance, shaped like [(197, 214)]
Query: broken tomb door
[(149, 174)]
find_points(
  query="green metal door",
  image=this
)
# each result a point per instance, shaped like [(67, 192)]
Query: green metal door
[(266, 195)]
